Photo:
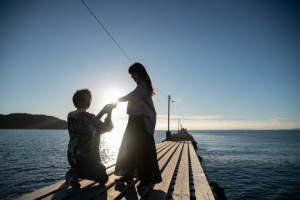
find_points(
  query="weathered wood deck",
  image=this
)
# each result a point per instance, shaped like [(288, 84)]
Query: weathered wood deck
[(182, 175)]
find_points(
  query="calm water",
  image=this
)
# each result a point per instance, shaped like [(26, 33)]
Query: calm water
[(247, 164)]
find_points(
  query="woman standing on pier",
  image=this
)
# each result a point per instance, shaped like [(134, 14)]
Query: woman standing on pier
[(137, 155)]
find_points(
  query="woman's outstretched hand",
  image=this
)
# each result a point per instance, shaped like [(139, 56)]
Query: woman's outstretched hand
[(106, 109), (114, 105)]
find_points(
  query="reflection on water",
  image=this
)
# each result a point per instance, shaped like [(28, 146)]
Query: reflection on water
[(110, 143), (34, 159), (247, 164), (252, 164)]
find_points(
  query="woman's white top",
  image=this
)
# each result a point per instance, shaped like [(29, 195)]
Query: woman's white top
[(141, 104)]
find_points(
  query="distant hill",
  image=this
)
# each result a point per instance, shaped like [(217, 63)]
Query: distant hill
[(29, 121)]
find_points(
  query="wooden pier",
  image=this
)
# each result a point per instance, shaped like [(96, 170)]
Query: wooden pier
[(181, 171), (183, 135)]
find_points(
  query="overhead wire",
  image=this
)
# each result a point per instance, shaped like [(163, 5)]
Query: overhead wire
[(106, 31), (160, 92), (116, 42)]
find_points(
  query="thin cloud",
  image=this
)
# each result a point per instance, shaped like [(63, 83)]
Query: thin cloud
[(200, 118), (278, 119)]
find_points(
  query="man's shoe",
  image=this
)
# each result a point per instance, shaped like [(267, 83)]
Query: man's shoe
[(124, 179), (72, 179), (143, 185)]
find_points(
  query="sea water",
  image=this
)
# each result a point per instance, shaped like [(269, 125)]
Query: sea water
[(246, 164)]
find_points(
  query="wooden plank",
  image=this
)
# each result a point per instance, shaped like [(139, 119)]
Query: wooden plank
[(164, 158), (161, 144), (202, 188), (43, 191), (119, 187), (115, 192), (165, 150), (52, 189), (160, 190), (134, 192), (70, 192), (62, 190), (96, 189), (181, 188), (164, 146)]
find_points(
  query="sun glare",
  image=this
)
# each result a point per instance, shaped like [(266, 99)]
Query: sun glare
[(111, 96), (111, 141)]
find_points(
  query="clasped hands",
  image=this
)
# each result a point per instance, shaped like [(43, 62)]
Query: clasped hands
[(109, 107)]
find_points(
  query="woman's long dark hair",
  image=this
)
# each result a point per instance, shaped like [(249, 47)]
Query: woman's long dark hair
[(140, 69)]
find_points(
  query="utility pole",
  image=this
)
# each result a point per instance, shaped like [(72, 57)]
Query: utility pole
[(178, 125), (169, 98), (168, 133)]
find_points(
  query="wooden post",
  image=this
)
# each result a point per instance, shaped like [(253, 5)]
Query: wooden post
[(169, 112), (168, 133)]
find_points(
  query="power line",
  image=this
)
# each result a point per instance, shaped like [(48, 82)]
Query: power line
[(128, 57), (106, 31), (160, 91), (115, 41)]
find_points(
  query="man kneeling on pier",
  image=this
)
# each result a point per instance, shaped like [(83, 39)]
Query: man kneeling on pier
[(84, 131)]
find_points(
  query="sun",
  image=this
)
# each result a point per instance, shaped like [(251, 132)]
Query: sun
[(111, 96)]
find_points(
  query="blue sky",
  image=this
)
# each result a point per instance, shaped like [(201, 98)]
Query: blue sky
[(226, 64)]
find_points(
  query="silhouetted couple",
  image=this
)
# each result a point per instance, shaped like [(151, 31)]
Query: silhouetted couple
[(137, 155)]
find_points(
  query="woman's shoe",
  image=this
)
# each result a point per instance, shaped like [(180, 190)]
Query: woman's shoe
[(143, 185), (124, 179)]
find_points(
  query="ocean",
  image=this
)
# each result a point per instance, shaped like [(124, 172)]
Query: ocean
[(246, 164)]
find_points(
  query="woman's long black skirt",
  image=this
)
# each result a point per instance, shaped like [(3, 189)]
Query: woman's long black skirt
[(137, 155)]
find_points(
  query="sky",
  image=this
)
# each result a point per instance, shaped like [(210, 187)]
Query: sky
[(227, 65)]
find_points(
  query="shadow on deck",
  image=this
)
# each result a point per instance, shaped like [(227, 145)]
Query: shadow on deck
[(182, 175)]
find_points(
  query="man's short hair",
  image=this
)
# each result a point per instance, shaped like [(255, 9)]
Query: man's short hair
[(79, 95)]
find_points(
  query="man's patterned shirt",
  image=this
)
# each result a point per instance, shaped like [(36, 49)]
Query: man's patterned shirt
[(85, 135)]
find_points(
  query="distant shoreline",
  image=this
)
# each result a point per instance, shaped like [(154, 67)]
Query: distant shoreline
[(30, 129), (44, 122), (29, 121)]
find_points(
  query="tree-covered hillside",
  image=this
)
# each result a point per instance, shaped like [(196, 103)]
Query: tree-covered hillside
[(29, 121)]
